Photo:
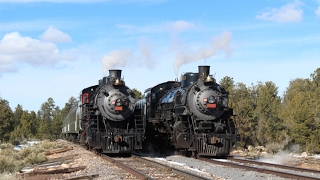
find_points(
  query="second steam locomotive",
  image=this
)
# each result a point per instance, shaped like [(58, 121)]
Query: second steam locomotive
[(105, 117), (191, 115)]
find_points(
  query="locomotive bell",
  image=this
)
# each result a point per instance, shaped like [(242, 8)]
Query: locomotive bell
[(209, 79), (117, 82)]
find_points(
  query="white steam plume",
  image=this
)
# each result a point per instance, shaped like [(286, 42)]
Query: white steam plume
[(116, 59), (146, 54), (219, 43)]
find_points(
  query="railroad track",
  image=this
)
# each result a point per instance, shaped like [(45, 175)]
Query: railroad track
[(147, 169), (268, 168), (143, 168)]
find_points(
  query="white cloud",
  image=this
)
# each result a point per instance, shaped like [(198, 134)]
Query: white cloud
[(125, 26), (180, 25), (53, 1), (317, 12), (5, 67), (171, 27), (290, 12), (54, 35), (16, 49), (80, 1)]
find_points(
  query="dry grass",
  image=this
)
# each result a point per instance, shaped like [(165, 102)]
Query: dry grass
[(12, 161)]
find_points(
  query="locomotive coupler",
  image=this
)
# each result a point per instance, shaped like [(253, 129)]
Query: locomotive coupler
[(117, 138)]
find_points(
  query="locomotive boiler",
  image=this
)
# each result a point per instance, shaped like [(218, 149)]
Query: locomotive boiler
[(191, 115), (105, 117)]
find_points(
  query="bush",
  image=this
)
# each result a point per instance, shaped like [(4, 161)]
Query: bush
[(7, 152), (6, 146), (313, 148), (35, 158), (7, 176), (23, 153), (12, 161), (9, 161), (9, 164), (274, 147), (49, 145)]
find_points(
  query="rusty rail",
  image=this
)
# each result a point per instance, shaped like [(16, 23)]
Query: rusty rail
[(273, 165), (127, 168), (258, 169), (175, 170)]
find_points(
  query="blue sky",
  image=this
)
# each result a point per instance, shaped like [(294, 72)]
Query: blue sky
[(55, 48)]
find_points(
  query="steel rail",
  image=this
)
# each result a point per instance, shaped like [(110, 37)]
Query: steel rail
[(273, 165), (127, 168), (258, 169), (174, 170)]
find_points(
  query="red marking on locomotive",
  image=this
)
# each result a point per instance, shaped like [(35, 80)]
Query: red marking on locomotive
[(85, 98), (211, 105), (118, 108)]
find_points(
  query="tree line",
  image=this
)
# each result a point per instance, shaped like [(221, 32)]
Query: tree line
[(290, 122), (46, 123), (20, 124)]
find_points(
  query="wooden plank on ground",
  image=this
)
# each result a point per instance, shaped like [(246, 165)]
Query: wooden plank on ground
[(58, 171), (86, 177), (60, 150)]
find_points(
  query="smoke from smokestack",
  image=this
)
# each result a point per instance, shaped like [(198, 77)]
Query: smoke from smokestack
[(218, 43), (116, 58), (125, 57), (146, 55)]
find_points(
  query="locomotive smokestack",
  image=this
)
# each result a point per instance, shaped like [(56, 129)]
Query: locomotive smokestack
[(204, 72), (115, 73)]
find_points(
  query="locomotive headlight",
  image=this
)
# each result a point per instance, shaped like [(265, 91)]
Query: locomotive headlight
[(118, 105), (211, 100), (118, 102)]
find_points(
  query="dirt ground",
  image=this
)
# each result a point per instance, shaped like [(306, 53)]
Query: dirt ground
[(302, 160), (297, 160), (307, 163)]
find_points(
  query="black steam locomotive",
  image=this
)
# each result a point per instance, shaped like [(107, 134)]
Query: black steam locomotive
[(191, 115), (105, 117)]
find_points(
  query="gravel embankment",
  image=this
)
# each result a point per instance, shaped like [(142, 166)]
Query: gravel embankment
[(215, 171), (94, 165), (105, 170)]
